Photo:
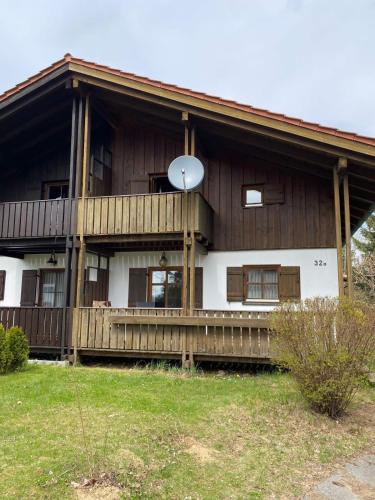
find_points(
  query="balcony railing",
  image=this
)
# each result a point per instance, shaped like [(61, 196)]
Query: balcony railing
[(144, 214), (37, 219), (43, 326), (240, 335)]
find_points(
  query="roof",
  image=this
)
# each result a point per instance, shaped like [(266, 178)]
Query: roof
[(68, 58)]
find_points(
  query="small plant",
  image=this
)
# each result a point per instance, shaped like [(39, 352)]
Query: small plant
[(17, 347), (14, 350), (326, 344)]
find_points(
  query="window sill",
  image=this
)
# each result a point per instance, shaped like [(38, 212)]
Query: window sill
[(258, 205), (260, 302)]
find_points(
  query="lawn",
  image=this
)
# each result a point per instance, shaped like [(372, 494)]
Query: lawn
[(165, 434)]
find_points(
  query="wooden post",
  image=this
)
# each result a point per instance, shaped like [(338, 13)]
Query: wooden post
[(81, 216), (185, 257), (336, 190), (192, 236), (68, 249), (348, 246)]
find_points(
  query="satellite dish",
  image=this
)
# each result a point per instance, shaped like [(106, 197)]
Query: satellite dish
[(186, 173)]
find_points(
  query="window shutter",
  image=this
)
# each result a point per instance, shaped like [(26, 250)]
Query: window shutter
[(289, 283), (2, 284), (29, 287), (137, 287), (199, 287), (234, 284), (273, 193)]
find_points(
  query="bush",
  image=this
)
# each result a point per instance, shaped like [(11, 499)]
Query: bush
[(17, 347), (326, 344), (14, 350), (4, 352)]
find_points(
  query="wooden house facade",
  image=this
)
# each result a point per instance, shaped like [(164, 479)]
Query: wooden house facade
[(101, 255)]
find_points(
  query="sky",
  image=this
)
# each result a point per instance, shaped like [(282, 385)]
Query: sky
[(313, 59)]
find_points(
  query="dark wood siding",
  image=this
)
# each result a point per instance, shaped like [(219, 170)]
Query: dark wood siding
[(27, 181), (298, 212), (139, 151)]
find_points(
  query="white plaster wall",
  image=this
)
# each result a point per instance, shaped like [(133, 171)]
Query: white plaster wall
[(315, 280)]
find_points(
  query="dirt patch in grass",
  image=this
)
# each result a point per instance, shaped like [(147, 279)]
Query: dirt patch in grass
[(197, 450)]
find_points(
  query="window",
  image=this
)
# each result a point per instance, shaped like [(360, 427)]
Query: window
[(52, 288), (261, 283), (55, 190), (165, 287), (252, 196), (161, 184)]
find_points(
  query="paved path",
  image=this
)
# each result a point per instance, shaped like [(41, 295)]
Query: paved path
[(356, 480)]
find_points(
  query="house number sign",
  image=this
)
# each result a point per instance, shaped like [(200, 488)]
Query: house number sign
[(320, 263)]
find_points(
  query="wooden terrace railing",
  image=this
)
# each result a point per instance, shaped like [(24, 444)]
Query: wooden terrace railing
[(144, 214), (209, 334), (43, 326), (37, 219)]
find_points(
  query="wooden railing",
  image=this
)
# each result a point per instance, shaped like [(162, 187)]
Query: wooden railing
[(144, 214), (37, 219), (43, 326), (223, 334)]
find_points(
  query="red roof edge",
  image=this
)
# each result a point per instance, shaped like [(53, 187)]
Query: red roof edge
[(184, 91)]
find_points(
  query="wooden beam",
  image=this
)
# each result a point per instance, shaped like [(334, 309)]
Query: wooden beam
[(336, 191), (348, 247), (192, 233), (223, 113), (189, 321), (82, 209)]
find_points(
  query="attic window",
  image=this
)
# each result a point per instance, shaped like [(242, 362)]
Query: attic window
[(252, 196)]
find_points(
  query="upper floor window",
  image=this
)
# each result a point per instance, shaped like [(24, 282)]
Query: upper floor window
[(161, 184), (252, 196), (55, 190)]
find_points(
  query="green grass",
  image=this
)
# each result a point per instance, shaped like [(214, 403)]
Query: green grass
[(165, 434)]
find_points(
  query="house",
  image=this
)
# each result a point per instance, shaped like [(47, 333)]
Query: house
[(101, 255)]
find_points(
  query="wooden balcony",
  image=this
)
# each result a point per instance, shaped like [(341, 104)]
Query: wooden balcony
[(43, 326), (145, 214), (37, 219), (218, 335)]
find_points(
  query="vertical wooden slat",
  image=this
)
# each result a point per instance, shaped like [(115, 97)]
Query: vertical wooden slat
[(147, 228), (133, 215), (155, 213), (111, 215), (118, 214), (104, 217)]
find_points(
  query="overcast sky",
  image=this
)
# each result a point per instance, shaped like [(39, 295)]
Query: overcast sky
[(314, 59)]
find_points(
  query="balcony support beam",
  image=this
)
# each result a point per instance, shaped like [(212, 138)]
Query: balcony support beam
[(336, 191), (81, 215)]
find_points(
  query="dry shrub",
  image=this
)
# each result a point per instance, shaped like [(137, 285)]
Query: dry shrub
[(326, 344)]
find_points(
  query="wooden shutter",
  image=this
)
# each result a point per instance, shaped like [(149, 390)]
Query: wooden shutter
[(137, 287), (234, 284), (273, 193), (2, 284), (29, 287), (289, 283), (199, 287)]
